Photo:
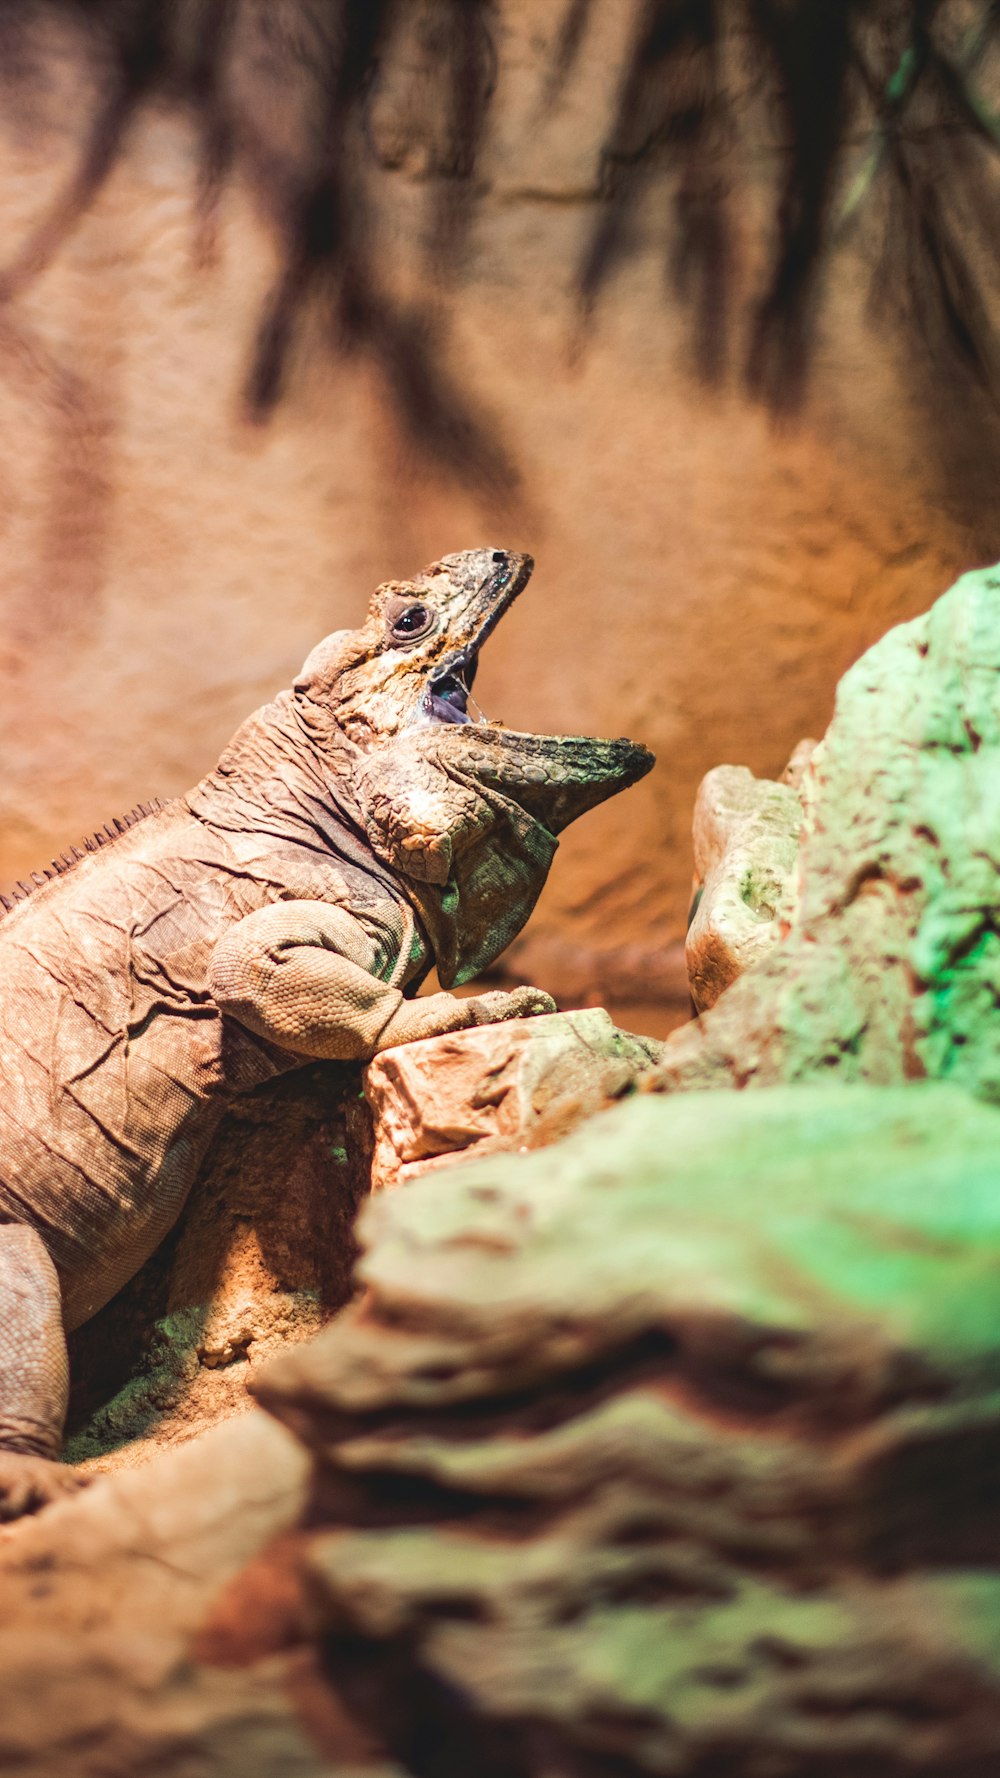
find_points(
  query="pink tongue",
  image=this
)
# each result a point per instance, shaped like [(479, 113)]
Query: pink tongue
[(442, 711)]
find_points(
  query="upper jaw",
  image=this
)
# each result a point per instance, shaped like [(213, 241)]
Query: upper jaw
[(444, 699)]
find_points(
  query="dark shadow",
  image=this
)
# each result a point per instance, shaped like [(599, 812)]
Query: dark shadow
[(671, 127), (293, 1159), (862, 103)]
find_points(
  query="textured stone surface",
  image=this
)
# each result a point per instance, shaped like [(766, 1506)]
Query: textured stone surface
[(889, 968), (111, 1619), (515, 1086), (746, 837), (675, 1449)]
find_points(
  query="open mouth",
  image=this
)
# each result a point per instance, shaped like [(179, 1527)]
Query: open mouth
[(447, 696)]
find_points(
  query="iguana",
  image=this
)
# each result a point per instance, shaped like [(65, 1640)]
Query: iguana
[(357, 831)]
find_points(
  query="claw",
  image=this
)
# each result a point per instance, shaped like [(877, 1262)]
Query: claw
[(27, 1484)]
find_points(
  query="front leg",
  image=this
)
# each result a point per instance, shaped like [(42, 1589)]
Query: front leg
[(34, 1376), (300, 973), (446, 1012)]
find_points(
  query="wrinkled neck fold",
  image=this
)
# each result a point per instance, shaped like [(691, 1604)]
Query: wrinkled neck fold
[(276, 777)]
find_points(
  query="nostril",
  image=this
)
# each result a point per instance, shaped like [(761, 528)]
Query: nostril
[(498, 555)]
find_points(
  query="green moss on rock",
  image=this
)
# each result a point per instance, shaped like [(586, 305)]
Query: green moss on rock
[(891, 964)]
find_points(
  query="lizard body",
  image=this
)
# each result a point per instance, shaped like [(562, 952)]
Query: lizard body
[(357, 831)]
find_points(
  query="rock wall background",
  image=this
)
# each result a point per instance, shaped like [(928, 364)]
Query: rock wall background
[(705, 573)]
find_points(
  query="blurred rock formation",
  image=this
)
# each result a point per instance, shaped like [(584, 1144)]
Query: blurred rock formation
[(102, 1614), (671, 1449)]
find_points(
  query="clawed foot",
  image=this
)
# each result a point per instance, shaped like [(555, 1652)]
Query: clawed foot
[(29, 1483), (520, 1003), (438, 1013)]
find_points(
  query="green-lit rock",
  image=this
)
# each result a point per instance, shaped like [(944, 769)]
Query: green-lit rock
[(745, 836), (891, 966), (673, 1448)]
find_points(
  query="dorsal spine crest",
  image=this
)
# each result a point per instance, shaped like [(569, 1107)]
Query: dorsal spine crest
[(66, 860)]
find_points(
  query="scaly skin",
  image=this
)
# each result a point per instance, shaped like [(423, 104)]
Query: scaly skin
[(355, 832)]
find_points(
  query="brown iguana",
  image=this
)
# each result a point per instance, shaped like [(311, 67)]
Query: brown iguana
[(356, 831)]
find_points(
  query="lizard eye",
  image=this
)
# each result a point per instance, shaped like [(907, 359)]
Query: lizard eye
[(411, 622)]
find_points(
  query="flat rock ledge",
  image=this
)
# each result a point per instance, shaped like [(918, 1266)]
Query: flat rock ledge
[(500, 1088)]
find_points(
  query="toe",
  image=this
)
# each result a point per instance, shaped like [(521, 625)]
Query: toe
[(27, 1484)]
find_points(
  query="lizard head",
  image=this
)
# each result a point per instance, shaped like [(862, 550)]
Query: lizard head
[(399, 688), (415, 658), (466, 811)]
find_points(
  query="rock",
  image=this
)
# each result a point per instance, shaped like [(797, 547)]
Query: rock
[(888, 969), (801, 754), (117, 1655), (673, 1449), (511, 1087), (746, 838), (676, 1448)]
